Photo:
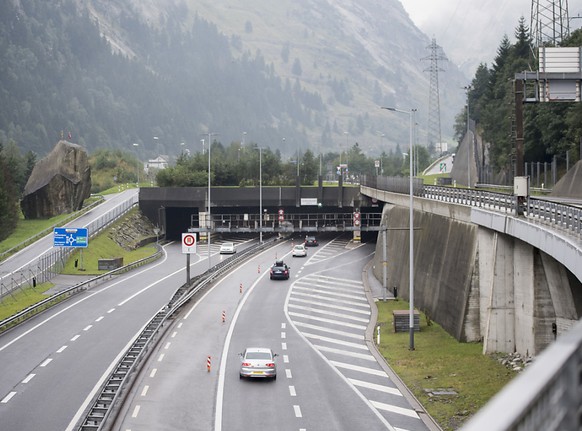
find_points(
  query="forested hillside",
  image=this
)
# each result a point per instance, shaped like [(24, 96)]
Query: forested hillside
[(551, 129), (59, 75)]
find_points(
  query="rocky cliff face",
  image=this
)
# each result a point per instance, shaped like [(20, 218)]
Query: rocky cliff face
[(59, 183)]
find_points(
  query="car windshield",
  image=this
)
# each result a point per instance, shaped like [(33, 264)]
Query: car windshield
[(258, 355)]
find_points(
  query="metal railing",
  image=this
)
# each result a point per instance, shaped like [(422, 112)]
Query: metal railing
[(43, 305), (51, 263), (111, 392)]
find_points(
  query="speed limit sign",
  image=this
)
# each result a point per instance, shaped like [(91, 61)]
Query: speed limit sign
[(188, 243)]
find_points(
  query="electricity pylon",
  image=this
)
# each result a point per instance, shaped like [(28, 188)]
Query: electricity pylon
[(550, 23), (434, 108)]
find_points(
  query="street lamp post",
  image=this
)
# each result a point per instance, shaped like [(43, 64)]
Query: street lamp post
[(260, 195), (468, 88), (137, 155), (410, 227), (209, 219)]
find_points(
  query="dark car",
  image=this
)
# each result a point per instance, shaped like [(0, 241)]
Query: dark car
[(280, 271), (310, 241)]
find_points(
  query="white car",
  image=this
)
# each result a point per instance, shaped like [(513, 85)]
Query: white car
[(227, 248), (299, 251)]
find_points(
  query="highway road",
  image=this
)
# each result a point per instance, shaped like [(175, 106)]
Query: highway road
[(53, 363), (316, 322)]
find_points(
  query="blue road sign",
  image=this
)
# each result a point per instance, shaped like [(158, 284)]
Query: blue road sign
[(70, 237)]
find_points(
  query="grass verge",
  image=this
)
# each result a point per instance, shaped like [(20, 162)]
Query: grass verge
[(441, 363)]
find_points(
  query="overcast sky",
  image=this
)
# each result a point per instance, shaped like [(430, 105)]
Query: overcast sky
[(470, 31)]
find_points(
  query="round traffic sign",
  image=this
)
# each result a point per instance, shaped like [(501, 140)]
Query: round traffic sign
[(189, 240)]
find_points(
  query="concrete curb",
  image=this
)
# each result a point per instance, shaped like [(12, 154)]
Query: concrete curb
[(369, 337)]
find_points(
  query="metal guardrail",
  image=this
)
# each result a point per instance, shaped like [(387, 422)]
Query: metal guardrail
[(51, 263), (548, 394), (99, 415), (43, 305)]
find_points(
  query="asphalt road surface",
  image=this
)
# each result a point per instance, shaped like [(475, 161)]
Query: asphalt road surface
[(315, 321)]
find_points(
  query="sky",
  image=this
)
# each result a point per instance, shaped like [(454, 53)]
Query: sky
[(470, 31)]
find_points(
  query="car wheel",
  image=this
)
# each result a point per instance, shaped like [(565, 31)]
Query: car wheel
[(275, 377), (240, 376)]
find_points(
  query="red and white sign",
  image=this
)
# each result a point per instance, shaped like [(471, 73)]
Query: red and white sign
[(188, 243), (281, 215)]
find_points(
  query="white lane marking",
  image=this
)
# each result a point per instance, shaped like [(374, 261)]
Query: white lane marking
[(336, 341), (62, 349), (337, 280), (75, 338), (286, 359), (99, 319), (180, 325), (283, 346), (283, 335), (358, 368), (334, 306), (333, 287), (361, 299), (366, 306), (86, 328), (364, 356), (153, 372), (174, 334), (64, 310), (145, 390), (222, 368), (135, 411), (8, 397), (167, 346), (297, 411), (292, 391), (288, 373), (28, 378), (329, 313), (283, 325), (394, 409), (161, 357), (77, 417), (376, 387), (111, 310), (333, 322), (330, 331), (46, 362)]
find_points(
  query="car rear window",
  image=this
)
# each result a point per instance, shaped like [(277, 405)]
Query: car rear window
[(258, 355)]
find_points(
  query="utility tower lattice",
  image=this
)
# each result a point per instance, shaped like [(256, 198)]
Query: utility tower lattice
[(550, 23), (434, 106)]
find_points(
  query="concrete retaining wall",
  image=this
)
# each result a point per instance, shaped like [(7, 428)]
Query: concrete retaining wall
[(477, 282)]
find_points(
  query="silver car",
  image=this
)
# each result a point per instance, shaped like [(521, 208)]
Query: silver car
[(258, 362), (299, 251), (227, 248)]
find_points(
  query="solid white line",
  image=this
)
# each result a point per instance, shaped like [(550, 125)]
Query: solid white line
[(333, 300), (329, 313), (75, 338), (46, 362), (288, 373), (8, 397), (358, 368), (99, 319), (364, 356), (334, 306), (135, 411), (375, 387), (330, 331), (144, 391), (153, 372), (336, 341), (334, 322), (394, 409), (297, 410), (28, 378), (292, 391), (62, 349)]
